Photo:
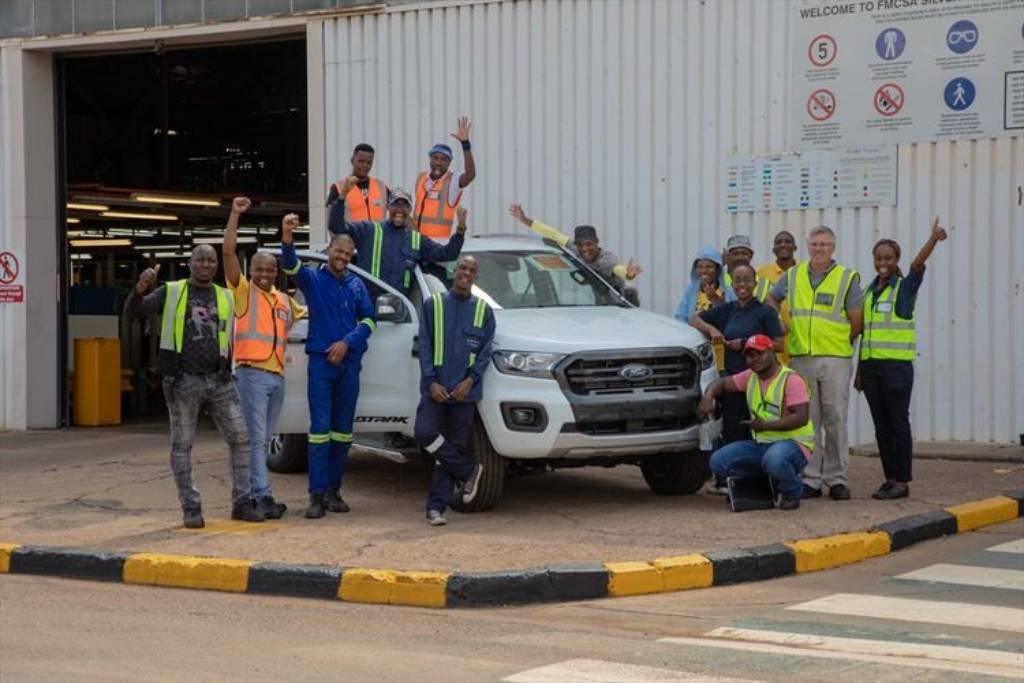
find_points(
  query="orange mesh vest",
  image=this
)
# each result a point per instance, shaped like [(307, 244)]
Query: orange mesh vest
[(263, 331), (433, 215), (370, 207)]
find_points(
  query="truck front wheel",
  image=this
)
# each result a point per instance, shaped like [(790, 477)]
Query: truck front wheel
[(492, 481), (674, 475), (286, 453)]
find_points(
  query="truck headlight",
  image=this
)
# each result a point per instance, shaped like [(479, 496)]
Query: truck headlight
[(706, 353), (527, 364)]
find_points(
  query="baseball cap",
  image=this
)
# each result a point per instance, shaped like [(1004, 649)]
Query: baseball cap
[(440, 148), (399, 195), (758, 342), (738, 242)]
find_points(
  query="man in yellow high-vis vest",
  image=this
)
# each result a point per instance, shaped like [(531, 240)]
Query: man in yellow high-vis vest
[(826, 314)]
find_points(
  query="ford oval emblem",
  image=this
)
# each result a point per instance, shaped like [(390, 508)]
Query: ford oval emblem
[(636, 372)]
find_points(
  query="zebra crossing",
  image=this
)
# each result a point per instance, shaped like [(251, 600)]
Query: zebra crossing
[(959, 620)]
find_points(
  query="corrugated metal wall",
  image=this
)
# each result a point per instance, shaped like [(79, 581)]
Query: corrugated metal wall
[(620, 113)]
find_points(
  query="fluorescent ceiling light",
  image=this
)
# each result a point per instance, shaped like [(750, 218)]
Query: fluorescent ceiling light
[(81, 257), (183, 255), (87, 207), (74, 220), (156, 247), (219, 240), (101, 243), (187, 201), (140, 216)]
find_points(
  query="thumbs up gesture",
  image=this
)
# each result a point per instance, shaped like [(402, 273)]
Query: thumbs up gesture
[(147, 278)]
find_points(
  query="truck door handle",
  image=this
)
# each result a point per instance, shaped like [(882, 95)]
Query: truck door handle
[(416, 346)]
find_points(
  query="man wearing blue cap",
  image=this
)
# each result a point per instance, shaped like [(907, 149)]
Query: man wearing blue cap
[(438, 191)]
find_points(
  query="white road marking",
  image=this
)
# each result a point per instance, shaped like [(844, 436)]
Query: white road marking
[(796, 651), (921, 611), (597, 671), (966, 655), (1011, 547), (967, 575)]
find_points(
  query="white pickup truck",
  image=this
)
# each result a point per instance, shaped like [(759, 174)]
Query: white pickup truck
[(579, 376)]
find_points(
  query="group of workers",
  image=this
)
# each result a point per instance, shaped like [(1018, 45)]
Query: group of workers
[(795, 325)]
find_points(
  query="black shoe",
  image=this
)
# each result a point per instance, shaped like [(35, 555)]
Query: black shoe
[(810, 492), (472, 485), (884, 487), (839, 492), (786, 503), (271, 509), (334, 502), (247, 512), (896, 490), (193, 518), (316, 506)]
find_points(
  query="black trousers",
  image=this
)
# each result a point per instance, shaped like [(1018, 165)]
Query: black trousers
[(734, 410), (887, 385)]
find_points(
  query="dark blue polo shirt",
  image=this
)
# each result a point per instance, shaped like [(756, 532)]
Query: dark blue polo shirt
[(740, 322)]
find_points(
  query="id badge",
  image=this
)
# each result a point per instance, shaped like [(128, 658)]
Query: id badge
[(884, 307), (824, 299), (433, 194)]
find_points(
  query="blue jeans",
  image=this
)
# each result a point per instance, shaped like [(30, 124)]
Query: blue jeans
[(333, 391), (783, 461), (261, 394)]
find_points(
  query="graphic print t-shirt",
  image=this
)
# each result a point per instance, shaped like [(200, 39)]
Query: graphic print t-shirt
[(199, 351)]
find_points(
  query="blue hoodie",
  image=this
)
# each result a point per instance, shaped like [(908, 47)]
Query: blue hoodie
[(689, 300)]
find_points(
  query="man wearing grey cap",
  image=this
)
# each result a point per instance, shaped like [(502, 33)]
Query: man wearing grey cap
[(738, 252), (586, 245), (391, 250)]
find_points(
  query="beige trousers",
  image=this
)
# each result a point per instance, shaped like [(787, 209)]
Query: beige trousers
[(828, 378)]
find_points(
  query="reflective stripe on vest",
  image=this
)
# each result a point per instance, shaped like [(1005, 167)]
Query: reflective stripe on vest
[(762, 288), (434, 216), (263, 331), (479, 316), (172, 323), (770, 408), (887, 336), (368, 207), (818, 322)]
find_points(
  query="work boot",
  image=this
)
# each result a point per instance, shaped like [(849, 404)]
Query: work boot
[(472, 485), (894, 491), (193, 518), (271, 508), (334, 502), (810, 492), (248, 511), (316, 506), (839, 492), (787, 503), (435, 518)]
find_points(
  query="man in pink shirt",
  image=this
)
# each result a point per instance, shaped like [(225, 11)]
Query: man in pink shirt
[(780, 423)]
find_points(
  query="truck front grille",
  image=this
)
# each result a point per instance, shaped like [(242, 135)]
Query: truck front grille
[(587, 376)]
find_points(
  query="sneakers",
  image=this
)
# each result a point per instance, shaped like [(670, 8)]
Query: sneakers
[(839, 492), (786, 503), (271, 509), (810, 492), (193, 518), (248, 511), (891, 491), (334, 503), (472, 485), (435, 518), (717, 488), (316, 506)]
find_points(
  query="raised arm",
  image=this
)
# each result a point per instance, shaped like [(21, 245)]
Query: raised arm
[(542, 229), (232, 268), (336, 204), (462, 135), (289, 258), (938, 235), (435, 252), (139, 304)]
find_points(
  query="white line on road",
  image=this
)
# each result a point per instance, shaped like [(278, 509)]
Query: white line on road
[(968, 575), (966, 655), (1011, 547), (920, 611), (770, 648), (597, 671)]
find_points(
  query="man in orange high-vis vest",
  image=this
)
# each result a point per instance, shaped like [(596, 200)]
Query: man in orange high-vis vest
[(263, 316), (439, 190), (368, 200)]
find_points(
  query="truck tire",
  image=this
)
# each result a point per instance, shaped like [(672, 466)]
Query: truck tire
[(674, 475), (286, 453), (492, 481)]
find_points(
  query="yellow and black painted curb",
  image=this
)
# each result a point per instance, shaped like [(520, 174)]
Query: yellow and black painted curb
[(558, 583)]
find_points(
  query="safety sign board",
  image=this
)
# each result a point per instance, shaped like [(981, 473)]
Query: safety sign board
[(905, 71), (812, 179), (12, 276)]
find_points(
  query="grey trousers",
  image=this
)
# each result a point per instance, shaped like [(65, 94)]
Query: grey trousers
[(828, 378), (186, 396)]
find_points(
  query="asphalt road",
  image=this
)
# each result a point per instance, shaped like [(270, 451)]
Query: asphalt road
[(960, 617)]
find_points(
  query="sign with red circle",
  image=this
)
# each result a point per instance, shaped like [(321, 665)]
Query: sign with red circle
[(8, 268), (821, 105), (889, 99), (822, 50)]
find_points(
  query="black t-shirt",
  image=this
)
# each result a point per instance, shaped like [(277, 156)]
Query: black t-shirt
[(200, 352), (740, 322)]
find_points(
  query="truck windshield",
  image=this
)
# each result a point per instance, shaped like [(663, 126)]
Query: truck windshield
[(537, 279)]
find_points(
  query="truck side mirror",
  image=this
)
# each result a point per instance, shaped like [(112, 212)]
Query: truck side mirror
[(390, 308)]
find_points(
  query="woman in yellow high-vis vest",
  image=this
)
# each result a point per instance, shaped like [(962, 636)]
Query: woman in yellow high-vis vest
[(888, 347)]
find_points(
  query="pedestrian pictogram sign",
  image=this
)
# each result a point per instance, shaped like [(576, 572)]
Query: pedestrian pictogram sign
[(822, 50), (821, 105), (889, 99), (12, 291)]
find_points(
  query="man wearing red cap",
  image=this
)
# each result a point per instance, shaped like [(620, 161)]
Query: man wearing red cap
[(780, 423)]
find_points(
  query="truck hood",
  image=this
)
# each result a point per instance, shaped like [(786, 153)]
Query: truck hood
[(584, 328)]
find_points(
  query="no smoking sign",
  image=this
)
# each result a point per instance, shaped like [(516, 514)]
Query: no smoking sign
[(889, 99), (821, 105)]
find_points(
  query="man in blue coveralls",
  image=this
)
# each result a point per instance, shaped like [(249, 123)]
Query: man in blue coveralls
[(340, 322), (391, 250), (456, 331)]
